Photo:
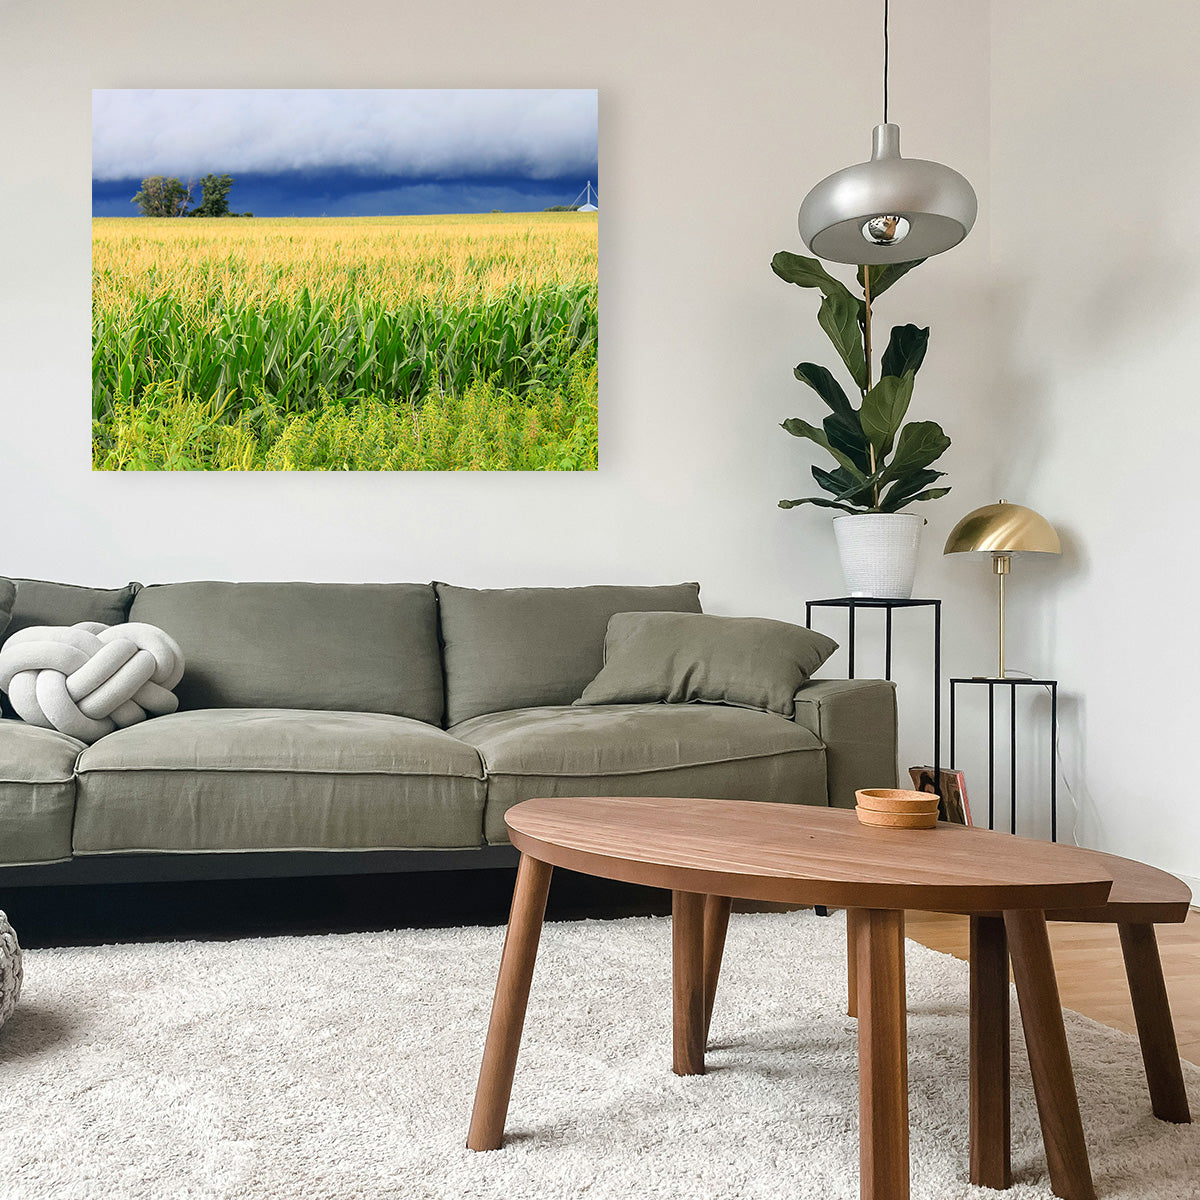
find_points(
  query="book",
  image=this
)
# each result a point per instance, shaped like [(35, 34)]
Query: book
[(954, 806)]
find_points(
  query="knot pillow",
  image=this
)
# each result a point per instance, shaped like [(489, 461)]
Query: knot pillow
[(88, 679)]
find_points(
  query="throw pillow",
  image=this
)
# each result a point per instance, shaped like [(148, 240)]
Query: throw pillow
[(88, 679), (689, 658)]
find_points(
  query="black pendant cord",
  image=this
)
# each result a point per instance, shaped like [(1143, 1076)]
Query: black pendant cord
[(885, 61)]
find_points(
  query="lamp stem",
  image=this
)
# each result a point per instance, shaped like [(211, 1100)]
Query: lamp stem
[(1001, 564), (1000, 673)]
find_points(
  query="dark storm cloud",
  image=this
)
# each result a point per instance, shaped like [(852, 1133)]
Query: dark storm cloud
[(419, 134)]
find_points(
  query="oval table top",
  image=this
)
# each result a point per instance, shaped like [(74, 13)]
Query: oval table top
[(798, 854), (1141, 894)]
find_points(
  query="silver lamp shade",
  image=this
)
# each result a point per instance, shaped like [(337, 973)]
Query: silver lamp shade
[(889, 209)]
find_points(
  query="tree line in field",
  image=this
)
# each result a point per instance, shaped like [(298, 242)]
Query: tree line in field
[(166, 196)]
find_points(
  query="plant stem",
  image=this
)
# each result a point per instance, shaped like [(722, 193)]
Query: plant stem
[(867, 355), (867, 329)]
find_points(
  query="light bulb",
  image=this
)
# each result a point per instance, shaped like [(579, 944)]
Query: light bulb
[(886, 229)]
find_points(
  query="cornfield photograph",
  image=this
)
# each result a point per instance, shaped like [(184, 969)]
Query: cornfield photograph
[(344, 280)]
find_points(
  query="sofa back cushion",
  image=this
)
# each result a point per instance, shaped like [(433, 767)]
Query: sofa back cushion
[(526, 647), (8, 597), (348, 647), (41, 602)]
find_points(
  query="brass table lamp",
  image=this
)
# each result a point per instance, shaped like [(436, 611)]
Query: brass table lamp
[(1003, 530)]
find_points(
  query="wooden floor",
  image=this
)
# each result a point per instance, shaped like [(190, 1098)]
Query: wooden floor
[(1091, 973)]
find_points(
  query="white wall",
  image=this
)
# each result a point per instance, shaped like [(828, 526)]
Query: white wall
[(1094, 192)]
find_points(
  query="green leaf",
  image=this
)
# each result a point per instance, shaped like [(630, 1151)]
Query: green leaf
[(802, 429), (920, 444), (838, 316), (843, 486), (845, 434), (905, 350), (931, 494), (807, 272), (903, 490), (883, 275), (829, 480), (883, 410), (821, 380), (820, 501)]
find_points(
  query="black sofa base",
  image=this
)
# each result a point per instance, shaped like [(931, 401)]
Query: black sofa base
[(266, 864)]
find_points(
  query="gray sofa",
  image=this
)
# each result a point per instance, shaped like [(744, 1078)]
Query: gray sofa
[(334, 728)]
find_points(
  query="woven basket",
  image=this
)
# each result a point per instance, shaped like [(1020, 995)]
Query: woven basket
[(10, 969)]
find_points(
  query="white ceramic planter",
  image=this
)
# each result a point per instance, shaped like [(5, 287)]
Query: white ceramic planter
[(879, 553)]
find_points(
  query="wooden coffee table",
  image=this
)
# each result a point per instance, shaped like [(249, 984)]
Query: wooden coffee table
[(708, 852)]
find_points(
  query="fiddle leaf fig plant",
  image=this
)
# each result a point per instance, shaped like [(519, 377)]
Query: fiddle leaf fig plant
[(881, 463)]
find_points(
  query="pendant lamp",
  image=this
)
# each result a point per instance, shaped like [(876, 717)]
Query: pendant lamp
[(888, 209)]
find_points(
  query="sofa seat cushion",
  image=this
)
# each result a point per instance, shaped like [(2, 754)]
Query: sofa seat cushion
[(37, 793), (278, 779), (643, 750)]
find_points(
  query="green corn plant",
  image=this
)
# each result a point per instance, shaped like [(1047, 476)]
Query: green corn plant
[(300, 350), (881, 463)]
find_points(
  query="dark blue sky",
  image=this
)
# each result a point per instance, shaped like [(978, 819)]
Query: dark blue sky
[(345, 193)]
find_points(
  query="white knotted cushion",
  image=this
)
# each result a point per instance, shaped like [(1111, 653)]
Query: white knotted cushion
[(88, 679)]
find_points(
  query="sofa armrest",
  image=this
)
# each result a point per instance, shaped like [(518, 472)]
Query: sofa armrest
[(856, 721)]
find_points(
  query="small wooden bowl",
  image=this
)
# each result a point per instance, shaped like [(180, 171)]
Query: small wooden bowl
[(895, 820), (897, 808), (896, 800)]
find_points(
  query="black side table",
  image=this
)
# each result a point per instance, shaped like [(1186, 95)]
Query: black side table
[(1012, 683), (852, 604)]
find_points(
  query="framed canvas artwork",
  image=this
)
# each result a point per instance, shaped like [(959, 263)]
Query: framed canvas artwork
[(344, 280)]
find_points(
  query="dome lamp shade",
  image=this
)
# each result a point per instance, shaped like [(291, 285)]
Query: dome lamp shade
[(1003, 529), (888, 209)]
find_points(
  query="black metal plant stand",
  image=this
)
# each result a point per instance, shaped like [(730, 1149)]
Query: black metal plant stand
[(852, 604), (1012, 683)]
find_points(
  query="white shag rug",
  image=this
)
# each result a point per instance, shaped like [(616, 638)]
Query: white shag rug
[(343, 1066)]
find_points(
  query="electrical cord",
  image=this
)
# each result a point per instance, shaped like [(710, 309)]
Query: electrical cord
[(885, 61), (1060, 767)]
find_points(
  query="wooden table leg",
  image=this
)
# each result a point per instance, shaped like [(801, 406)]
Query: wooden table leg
[(882, 1057), (687, 944), (991, 1134), (1156, 1032), (716, 925), (852, 920), (1049, 1056), (508, 1005)]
